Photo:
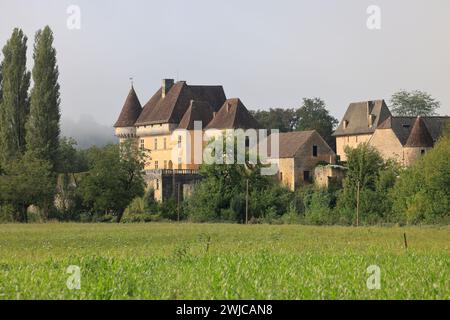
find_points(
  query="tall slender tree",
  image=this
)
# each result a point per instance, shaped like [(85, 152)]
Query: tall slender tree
[(14, 101), (43, 124)]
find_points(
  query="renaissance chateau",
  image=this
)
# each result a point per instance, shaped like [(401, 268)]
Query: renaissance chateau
[(166, 128)]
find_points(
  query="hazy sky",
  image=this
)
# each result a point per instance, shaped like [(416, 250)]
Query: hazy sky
[(268, 53)]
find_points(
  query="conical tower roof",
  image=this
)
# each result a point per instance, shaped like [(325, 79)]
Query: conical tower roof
[(419, 136), (130, 111)]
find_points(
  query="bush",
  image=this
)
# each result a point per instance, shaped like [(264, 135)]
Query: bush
[(422, 193)]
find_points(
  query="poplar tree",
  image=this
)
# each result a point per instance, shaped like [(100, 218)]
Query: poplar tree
[(43, 124), (14, 99)]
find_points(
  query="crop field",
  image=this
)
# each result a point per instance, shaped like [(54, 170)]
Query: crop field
[(222, 261)]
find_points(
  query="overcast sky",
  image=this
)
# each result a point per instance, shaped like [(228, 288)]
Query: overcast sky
[(268, 53)]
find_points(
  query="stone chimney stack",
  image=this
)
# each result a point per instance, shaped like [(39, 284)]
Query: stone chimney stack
[(166, 85)]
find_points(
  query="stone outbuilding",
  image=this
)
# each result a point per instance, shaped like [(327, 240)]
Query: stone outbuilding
[(299, 153)]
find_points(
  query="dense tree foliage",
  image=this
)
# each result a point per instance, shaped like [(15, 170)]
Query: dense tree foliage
[(284, 120), (25, 182), (43, 124), (413, 104), (14, 106), (370, 177), (114, 179), (313, 115), (422, 193)]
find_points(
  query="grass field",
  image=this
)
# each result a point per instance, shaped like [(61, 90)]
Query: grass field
[(222, 261)]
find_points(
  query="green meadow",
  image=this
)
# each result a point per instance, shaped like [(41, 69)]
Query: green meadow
[(222, 261)]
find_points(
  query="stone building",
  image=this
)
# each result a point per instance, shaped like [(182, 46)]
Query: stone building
[(403, 139), (165, 128), (299, 154), (358, 124)]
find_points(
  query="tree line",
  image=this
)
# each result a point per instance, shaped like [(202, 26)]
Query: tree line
[(43, 176)]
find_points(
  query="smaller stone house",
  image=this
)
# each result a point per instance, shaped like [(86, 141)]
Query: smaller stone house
[(299, 153), (405, 139)]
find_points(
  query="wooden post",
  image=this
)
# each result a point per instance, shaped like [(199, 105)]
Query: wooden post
[(246, 205), (357, 204), (406, 242), (178, 203)]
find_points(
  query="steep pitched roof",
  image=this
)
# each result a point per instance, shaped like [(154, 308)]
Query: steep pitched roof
[(419, 136), (174, 105), (233, 115), (291, 142), (402, 126), (130, 111), (197, 111), (436, 125), (357, 117)]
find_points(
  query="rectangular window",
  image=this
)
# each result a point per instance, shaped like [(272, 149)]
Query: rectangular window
[(314, 151), (156, 164), (179, 142), (306, 176), (164, 143), (142, 144), (156, 144), (157, 184), (356, 139)]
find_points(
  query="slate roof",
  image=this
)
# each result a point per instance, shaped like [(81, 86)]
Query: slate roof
[(403, 128), (197, 111), (233, 115), (130, 111), (174, 105), (357, 116), (419, 136), (291, 142)]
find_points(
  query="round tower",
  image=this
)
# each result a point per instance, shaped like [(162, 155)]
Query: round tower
[(418, 143), (124, 126)]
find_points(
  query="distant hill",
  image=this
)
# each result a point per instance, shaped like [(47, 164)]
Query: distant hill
[(87, 132)]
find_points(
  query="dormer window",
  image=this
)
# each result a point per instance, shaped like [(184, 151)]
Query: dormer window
[(345, 124)]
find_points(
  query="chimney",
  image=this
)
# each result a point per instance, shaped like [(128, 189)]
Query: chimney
[(228, 107), (166, 85)]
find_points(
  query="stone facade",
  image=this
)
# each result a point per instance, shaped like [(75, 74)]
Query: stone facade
[(351, 141), (329, 175), (299, 154)]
